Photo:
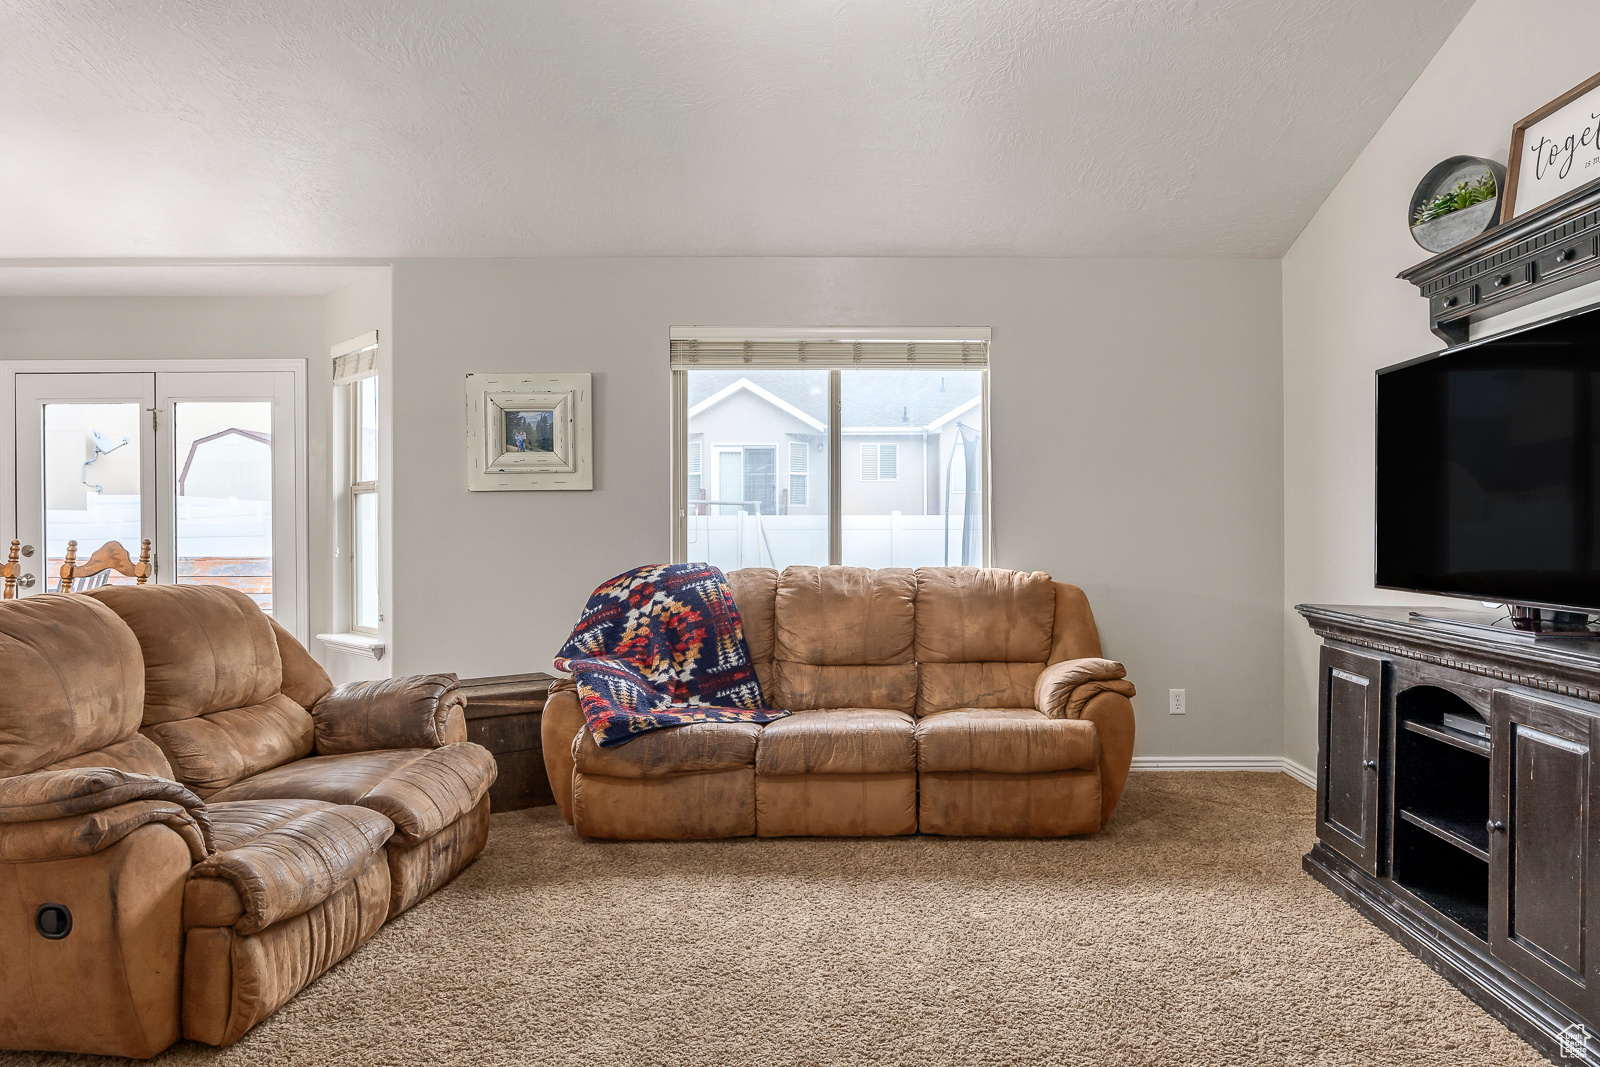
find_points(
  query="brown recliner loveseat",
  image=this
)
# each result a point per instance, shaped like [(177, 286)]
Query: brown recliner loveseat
[(195, 824), (942, 700)]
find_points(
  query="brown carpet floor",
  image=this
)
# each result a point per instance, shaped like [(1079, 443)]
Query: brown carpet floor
[(1186, 933)]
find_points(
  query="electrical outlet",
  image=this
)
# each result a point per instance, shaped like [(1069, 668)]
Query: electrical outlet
[(1177, 701)]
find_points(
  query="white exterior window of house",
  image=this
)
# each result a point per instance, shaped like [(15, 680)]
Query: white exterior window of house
[(880, 462), (867, 447), (799, 467)]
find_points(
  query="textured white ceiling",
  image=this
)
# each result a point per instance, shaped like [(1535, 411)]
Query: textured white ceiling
[(640, 127)]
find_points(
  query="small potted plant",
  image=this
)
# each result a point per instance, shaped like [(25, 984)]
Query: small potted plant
[(1458, 200)]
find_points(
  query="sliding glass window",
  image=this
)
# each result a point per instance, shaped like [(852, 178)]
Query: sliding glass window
[(813, 450)]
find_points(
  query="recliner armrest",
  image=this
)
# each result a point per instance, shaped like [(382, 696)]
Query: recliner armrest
[(1064, 689), (560, 728), (83, 810), (416, 711)]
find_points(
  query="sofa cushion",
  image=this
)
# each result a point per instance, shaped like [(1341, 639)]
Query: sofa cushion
[(755, 592), (210, 752), (206, 648), (836, 616), (137, 755), (695, 748), (942, 686), (969, 615), (74, 681), (278, 858), (838, 741), (420, 790), (807, 686), (1005, 741)]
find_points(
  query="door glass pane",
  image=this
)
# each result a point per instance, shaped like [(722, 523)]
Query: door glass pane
[(91, 485), (761, 479), (912, 469), (364, 610), (223, 510), (366, 430), (754, 438)]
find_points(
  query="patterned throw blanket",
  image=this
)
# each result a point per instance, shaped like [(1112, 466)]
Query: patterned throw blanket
[(662, 646)]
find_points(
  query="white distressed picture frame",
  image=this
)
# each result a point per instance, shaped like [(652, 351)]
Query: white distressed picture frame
[(529, 431)]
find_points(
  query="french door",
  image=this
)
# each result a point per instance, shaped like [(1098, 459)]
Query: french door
[(202, 463)]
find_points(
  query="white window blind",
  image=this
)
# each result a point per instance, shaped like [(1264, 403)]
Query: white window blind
[(695, 451), (876, 347), (355, 359)]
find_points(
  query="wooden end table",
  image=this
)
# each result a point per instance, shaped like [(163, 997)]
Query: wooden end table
[(504, 714)]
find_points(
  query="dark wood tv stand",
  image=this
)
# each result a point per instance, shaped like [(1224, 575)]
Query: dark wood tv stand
[(1479, 855)]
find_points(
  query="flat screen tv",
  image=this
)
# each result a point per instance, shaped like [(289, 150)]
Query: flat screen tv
[(1488, 479)]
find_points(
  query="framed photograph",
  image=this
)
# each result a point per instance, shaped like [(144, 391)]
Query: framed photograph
[(1554, 150), (529, 431)]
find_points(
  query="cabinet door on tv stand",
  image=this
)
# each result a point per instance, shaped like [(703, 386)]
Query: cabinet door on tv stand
[(1350, 698), (1542, 858)]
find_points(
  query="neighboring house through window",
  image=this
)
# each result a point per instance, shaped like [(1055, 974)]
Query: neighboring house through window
[(902, 420)]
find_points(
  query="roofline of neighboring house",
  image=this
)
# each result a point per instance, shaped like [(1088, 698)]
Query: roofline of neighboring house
[(884, 431), (745, 383), (783, 405), (957, 413), (258, 436)]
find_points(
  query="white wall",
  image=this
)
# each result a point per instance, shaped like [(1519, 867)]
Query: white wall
[(1345, 314), (190, 327), (1137, 450)]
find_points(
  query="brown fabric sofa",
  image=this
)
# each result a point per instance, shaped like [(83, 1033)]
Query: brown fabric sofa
[(195, 824), (942, 700)]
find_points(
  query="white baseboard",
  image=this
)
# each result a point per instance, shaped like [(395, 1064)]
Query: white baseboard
[(1299, 772)]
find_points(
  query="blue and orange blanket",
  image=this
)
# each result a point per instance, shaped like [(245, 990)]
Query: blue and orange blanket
[(662, 646)]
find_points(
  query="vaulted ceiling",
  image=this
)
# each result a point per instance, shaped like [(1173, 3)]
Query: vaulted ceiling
[(378, 128)]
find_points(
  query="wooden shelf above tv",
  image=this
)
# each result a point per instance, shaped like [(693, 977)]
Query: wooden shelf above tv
[(1535, 255)]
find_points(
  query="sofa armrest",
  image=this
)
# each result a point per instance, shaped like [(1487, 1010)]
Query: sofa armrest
[(1112, 715), (1064, 689), (84, 810), (287, 870), (562, 722), (416, 711)]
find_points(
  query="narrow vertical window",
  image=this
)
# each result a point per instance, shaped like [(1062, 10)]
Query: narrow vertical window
[(364, 506)]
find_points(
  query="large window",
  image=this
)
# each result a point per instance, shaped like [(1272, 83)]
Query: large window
[(830, 449)]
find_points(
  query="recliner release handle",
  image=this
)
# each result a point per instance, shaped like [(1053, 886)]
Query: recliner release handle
[(53, 921)]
